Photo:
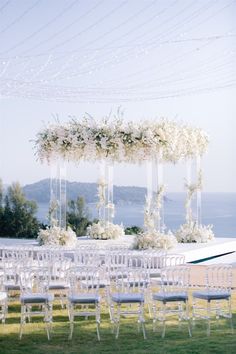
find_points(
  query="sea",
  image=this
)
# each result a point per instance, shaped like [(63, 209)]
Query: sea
[(218, 209)]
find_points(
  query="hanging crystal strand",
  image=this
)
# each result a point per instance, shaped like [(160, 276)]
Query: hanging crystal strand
[(54, 200), (199, 192), (110, 205), (188, 204), (160, 189), (62, 195)]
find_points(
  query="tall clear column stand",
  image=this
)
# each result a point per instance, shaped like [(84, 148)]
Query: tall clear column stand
[(199, 189), (154, 212), (58, 201), (193, 203), (105, 204)]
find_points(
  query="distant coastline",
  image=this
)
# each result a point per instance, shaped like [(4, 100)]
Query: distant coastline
[(218, 209)]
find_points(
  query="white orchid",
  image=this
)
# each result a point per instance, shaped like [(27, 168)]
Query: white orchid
[(131, 142), (192, 232), (155, 240), (57, 236), (105, 231)]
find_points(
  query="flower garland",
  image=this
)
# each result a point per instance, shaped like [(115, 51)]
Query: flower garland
[(117, 141), (57, 236), (155, 240), (105, 231)]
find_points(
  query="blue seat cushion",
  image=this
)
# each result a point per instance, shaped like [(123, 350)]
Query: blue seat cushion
[(170, 296), (58, 286), (102, 284), (133, 283), (12, 287), (127, 298), (211, 295), (84, 299), (36, 298)]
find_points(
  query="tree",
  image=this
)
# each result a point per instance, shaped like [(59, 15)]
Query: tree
[(78, 216), (133, 230), (1, 204), (18, 217)]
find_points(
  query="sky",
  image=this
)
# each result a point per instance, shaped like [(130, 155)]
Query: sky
[(173, 59)]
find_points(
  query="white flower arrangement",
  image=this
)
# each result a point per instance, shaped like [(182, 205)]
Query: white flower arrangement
[(105, 231), (116, 141), (155, 240), (57, 236), (192, 232)]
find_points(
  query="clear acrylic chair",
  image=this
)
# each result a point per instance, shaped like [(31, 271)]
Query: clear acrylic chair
[(59, 283), (217, 291), (84, 298), (3, 300), (11, 280), (87, 256), (172, 299), (165, 261), (34, 283), (115, 260), (127, 296)]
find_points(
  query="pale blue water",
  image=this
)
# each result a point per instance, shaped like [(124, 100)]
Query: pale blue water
[(218, 209)]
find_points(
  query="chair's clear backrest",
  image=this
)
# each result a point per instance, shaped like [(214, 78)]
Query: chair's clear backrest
[(219, 277), (174, 279), (43, 255), (117, 259), (59, 269), (153, 259), (83, 279), (135, 260), (11, 276), (86, 256), (171, 260), (131, 280), (34, 280)]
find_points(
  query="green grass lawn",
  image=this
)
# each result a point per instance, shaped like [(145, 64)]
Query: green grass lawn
[(84, 341)]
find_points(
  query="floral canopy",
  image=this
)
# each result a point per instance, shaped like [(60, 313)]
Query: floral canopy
[(119, 141)]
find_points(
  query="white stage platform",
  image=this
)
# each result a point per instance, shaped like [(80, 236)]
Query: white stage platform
[(193, 252)]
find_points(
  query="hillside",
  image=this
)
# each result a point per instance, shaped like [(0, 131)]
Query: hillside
[(40, 192)]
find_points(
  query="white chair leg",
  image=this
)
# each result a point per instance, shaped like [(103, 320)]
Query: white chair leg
[(71, 317), (208, 318), (188, 319), (230, 316), (118, 321), (98, 320), (22, 320), (164, 321)]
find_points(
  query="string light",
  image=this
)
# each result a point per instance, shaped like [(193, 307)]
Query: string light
[(19, 18), (42, 28), (4, 5), (208, 67)]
